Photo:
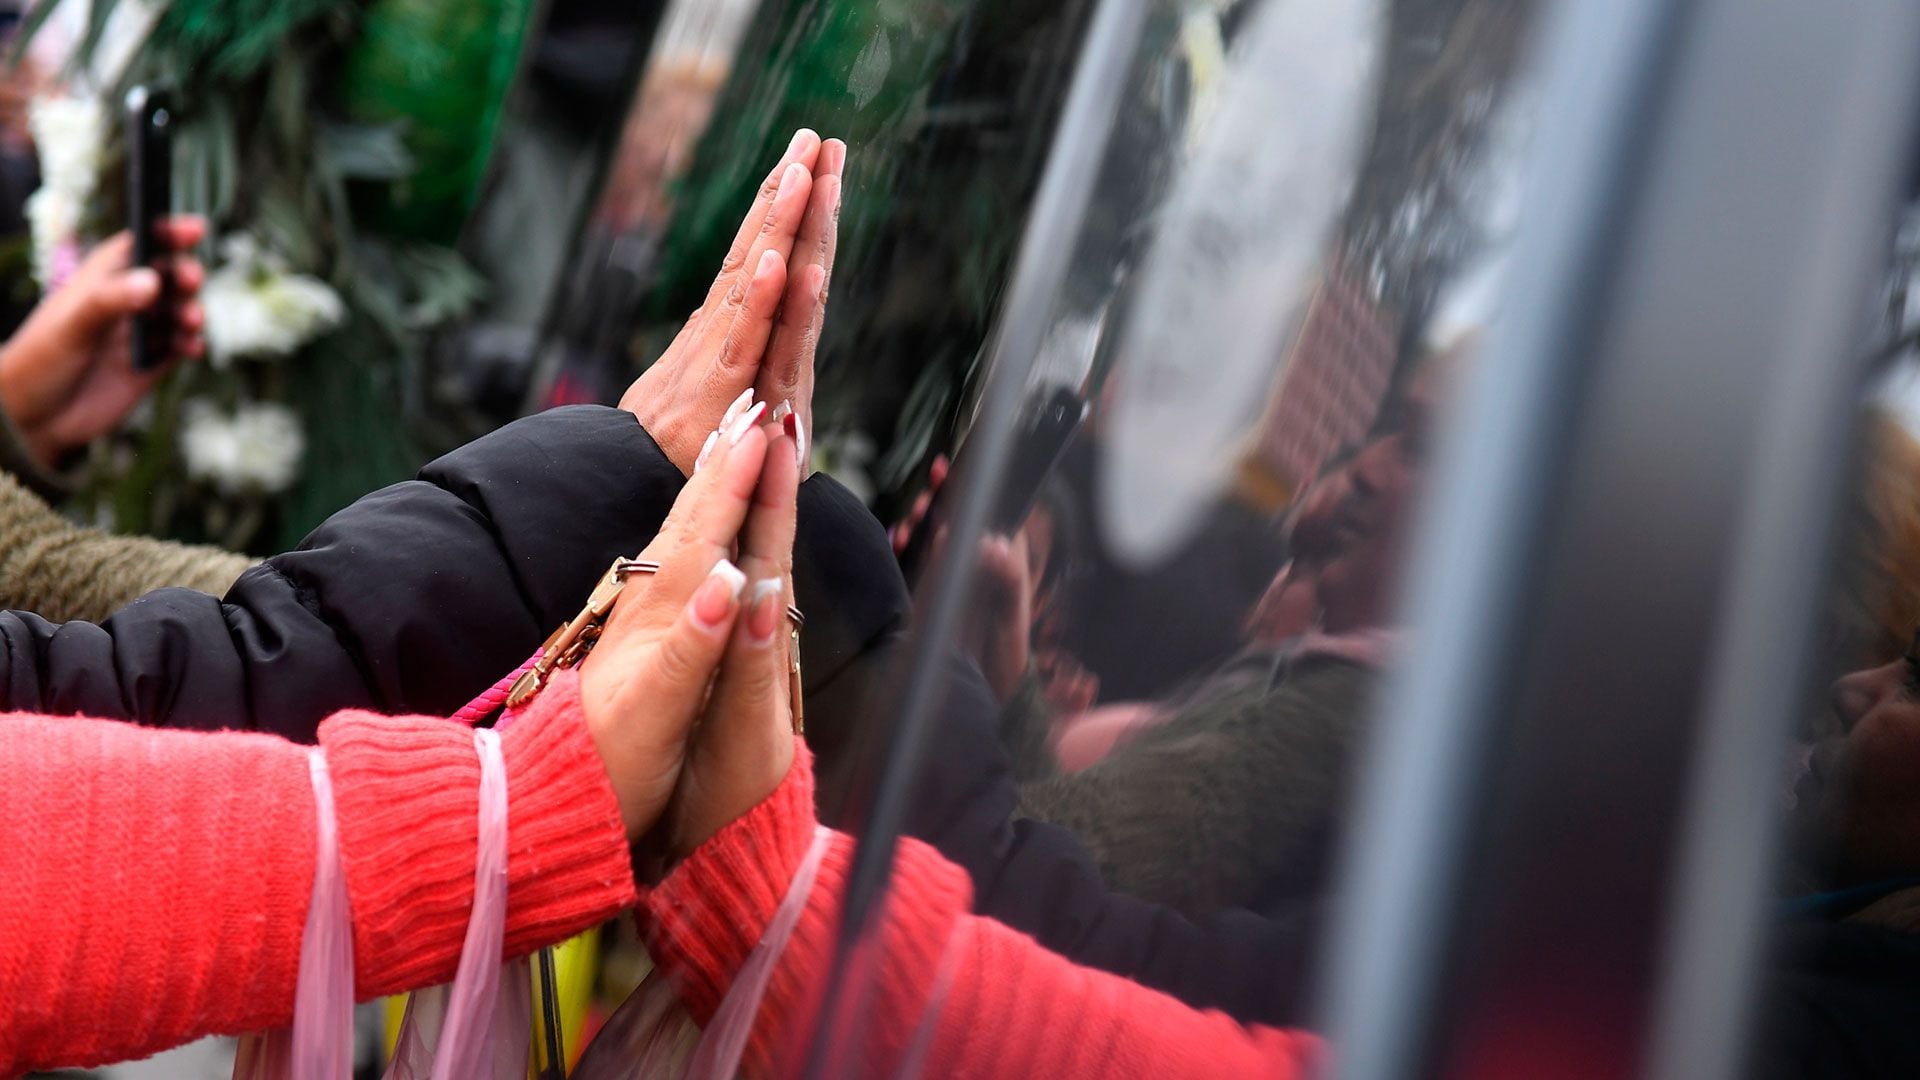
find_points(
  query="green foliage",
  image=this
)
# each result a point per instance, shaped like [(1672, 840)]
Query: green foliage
[(264, 148), (233, 40)]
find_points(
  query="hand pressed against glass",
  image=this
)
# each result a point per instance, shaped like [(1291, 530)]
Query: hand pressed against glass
[(732, 344)]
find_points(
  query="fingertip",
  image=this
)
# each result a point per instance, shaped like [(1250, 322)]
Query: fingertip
[(793, 179), (833, 156), (188, 275), (184, 230), (770, 273), (715, 603), (763, 612), (804, 140), (191, 316), (139, 287)]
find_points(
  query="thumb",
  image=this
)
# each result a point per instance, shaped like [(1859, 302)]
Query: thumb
[(125, 293)]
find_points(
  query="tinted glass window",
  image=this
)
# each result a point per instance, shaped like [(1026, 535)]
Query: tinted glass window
[(1149, 714), (1838, 985)]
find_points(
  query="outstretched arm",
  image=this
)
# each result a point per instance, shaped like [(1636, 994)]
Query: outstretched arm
[(992, 1001)]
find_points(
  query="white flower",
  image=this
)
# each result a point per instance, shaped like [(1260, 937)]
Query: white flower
[(254, 449), (53, 217), (68, 134), (256, 308)]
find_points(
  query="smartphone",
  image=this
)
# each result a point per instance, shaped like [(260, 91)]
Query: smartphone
[(149, 197), (1047, 427)]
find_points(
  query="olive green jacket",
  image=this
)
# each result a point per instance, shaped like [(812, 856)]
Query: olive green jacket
[(64, 572)]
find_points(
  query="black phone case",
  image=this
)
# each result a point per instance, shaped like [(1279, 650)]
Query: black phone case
[(1047, 429), (149, 195)]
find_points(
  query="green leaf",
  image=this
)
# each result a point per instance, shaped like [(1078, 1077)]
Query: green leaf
[(97, 16)]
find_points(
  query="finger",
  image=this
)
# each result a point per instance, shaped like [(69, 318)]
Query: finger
[(937, 472), (706, 518), (833, 158), (181, 231), (642, 702), (188, 345), (803, 150), (746, 340), (789, 364), (693, 645), (108, 256), (120, 294), (767, 535), (776, 235), (745, 743), (186, 276), (190, 316)]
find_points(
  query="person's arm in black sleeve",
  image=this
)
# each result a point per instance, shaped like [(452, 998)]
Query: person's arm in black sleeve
[(415, 598)]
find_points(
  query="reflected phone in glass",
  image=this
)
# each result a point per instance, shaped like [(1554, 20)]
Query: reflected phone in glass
[(1046, 430), (149, 195)]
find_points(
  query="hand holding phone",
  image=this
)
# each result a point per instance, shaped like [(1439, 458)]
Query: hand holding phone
[(1047, 428)]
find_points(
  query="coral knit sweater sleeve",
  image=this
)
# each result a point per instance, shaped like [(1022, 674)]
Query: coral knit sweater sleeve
[(156, 882), (1008, 1007)]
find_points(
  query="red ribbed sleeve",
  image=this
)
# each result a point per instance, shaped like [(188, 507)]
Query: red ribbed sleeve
[(155, 883), (1010, 1008)]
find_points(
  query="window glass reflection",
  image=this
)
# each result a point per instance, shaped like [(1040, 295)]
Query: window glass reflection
[(1839, 990), (1160, 688)]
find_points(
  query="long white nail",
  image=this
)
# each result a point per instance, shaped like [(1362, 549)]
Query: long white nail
[(745, 423), (735, 577), (761, 624), (733, 410), (706, 450), (707, 607)]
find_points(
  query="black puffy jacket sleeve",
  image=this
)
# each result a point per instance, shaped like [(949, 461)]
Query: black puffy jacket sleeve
[(419, 596)]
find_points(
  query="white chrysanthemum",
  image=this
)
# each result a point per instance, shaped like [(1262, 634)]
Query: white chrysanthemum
[(68, 135), (254, 449), (53, 217), (256, 308)]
